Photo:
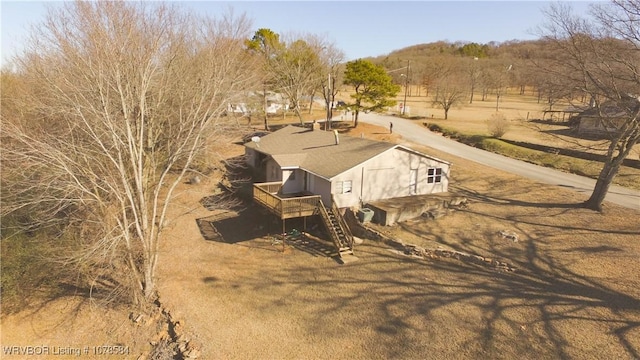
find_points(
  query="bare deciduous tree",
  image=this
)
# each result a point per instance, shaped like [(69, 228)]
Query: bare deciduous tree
[(474, 72), (498, 79), (122, 99), (448, 85), (332, 60), (601, 58), (292, 64), (297, 68)]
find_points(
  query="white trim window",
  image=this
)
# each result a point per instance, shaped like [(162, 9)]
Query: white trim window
[(434, 175), (344, 187)]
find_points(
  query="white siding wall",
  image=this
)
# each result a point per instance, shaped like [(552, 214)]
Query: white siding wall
[(388, 175), (292, 181), (322, 187)]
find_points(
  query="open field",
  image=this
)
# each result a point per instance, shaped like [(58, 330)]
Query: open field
[(520, 110), (469, 123)]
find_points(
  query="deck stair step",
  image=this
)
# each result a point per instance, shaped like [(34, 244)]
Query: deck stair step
[(337, 228)]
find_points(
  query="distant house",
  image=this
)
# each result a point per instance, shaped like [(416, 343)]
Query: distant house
[(272, 103), (275, 102), (239, 108), (608, 119), (348, 170)]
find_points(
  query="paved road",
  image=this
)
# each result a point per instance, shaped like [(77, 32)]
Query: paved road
[(415, 132)]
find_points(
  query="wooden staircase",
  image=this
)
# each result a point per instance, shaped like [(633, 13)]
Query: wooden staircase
[(338, 229)]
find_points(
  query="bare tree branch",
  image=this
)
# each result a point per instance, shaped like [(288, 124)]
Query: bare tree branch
[(123, 98)]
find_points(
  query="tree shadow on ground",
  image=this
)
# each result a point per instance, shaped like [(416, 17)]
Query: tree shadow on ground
[(493, 199), (545, 281), (409, 297), (254, 227), (578, 154), (562, 208), (313, 246), (232, 227), (595, 249), (550, 122)]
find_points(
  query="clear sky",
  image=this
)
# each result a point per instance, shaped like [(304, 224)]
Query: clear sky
[(359, 28)]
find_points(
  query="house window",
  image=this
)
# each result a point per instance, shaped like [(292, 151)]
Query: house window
[(434, 175), (343, 187), (346, 187)]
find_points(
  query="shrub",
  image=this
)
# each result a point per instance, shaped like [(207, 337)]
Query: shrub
[(498, 125), (26, 272)]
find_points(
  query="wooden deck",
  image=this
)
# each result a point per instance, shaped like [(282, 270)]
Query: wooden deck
[(284, 206)]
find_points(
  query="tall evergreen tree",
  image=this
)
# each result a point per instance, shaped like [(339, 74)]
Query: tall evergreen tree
[(374, 89)]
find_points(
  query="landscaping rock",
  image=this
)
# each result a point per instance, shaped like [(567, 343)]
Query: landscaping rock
[(458, 202), (509, 235), (417, 251)]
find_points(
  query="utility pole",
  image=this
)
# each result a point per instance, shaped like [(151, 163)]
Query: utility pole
[(329, 104), (406, 87), (264, 94)]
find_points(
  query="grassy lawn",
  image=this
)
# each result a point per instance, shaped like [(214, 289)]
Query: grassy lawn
[(628, 176), (467, 123)]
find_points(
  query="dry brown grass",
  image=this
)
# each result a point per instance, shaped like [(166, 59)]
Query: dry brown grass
[(575, 293), (73, 322), (519, 110)]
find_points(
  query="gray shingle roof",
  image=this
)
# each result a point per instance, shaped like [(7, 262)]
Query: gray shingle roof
[(316, 151)]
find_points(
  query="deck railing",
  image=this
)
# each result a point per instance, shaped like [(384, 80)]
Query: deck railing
[(284, 206)]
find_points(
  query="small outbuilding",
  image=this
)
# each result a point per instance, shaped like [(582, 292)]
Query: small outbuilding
[(609, 118)]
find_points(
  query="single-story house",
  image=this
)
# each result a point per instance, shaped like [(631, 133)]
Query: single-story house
[(350, 170)]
